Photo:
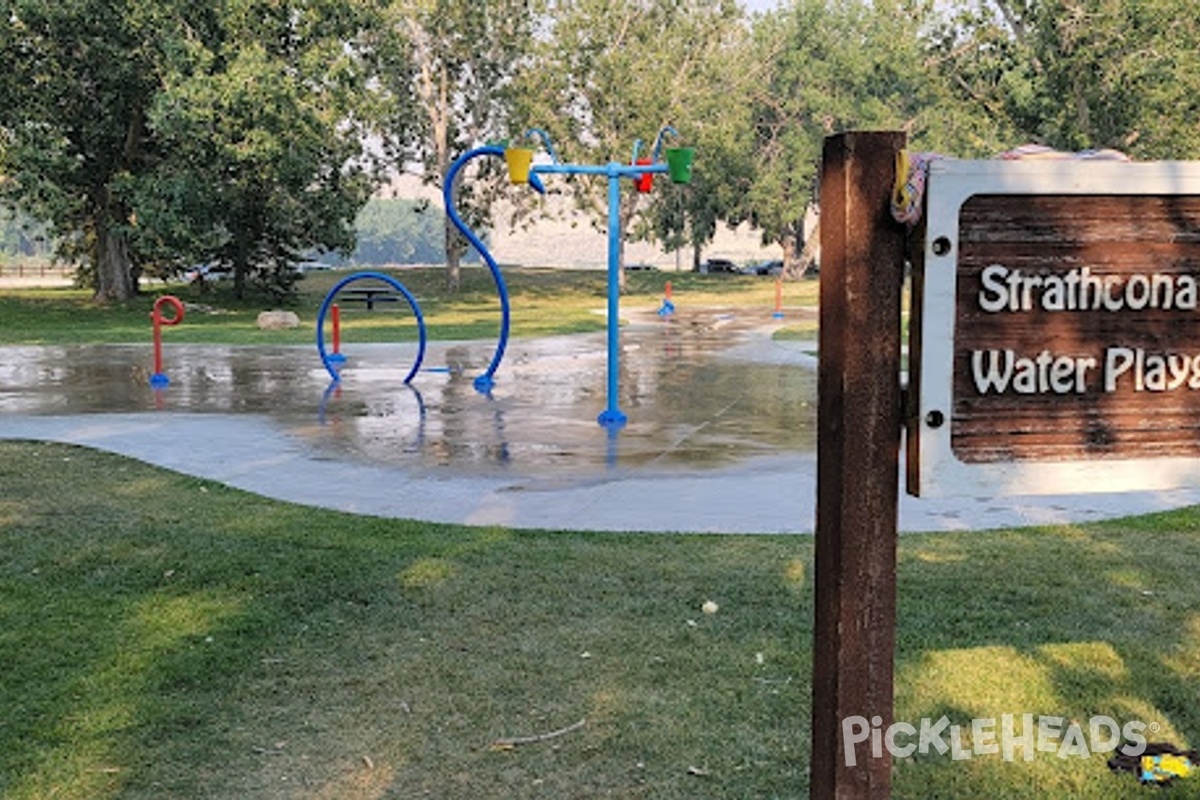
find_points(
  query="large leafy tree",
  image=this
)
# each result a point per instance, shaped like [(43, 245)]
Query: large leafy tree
[(616, 71), (711, 86), (830, 66), (77, 80), (154, 131), (263, 121), (452, 66), (1077, 74)]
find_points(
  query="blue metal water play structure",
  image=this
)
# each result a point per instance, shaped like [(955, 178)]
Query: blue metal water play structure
[(484, 382), (523, 170)]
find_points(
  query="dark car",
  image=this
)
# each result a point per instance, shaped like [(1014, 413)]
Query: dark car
[(720, 265), (764, 268)]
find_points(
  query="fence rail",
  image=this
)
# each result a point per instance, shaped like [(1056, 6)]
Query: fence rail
[(21, 270)]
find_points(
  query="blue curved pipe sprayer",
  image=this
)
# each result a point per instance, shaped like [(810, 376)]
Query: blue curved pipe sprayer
[(658, 141), (484, 382), (327, 358), (545, 139)]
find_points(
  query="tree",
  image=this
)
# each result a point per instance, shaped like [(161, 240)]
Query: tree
[(263, 122), (77, 80), (452, 70), (399, 232), (831, 66), (612, 72), (1079, 74), (147, 131)]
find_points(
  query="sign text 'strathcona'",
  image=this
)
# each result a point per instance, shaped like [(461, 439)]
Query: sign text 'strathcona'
[(1005, 289)]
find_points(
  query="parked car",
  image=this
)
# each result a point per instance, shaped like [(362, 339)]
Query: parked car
[(208, 273), (313, 266), (764, 268), (640, 268), (719, 265)]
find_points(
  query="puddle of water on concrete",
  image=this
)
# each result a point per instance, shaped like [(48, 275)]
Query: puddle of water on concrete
[(688, 407)]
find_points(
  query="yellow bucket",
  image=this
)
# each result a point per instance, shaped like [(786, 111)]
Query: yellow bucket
[(519, 161)]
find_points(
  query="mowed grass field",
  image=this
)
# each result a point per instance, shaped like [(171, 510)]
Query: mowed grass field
[(163, 636), (543, 302)]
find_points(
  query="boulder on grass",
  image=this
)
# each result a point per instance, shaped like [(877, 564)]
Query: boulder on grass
[(277, 320)]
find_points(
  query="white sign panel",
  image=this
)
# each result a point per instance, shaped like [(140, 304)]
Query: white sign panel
[(1056, 339)]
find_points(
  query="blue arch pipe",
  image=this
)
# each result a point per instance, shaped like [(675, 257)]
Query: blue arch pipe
[(484, 382), (327, 358)]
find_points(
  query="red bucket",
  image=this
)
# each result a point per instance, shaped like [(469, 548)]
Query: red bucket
[(645, 181)]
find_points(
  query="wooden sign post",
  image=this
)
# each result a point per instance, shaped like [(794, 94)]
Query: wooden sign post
[(859, 428)]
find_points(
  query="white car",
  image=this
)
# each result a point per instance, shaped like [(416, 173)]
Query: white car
[(209, 273)]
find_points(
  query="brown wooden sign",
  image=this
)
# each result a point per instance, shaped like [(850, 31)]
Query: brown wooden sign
[(1059, 343)]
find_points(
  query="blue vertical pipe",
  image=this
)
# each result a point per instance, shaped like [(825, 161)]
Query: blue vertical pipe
[(612, 417)]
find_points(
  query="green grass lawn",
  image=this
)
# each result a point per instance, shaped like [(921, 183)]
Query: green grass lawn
[(167, 637), (543, 302), (163, 636)]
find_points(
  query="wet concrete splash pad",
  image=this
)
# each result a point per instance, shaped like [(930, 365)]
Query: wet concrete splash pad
[(720, 438), (690, 408)]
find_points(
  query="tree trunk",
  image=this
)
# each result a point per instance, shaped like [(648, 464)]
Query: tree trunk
[(811, 251), (790, 242), (626, 209), (114, 276), (800, 255), (435, 98), (241, 256), (453, 256), (451, 238)]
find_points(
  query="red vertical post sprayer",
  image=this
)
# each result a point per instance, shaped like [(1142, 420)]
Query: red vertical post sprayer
[(335, 320), (159, 379)]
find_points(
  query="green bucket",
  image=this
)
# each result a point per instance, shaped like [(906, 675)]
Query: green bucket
[(679, 163)]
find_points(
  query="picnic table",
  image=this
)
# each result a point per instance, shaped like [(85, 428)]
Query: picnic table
[(369, 295)]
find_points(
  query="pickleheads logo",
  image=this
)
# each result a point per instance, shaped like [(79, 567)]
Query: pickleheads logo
[(989, 736)]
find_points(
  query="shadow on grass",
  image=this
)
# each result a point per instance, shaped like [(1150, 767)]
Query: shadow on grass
[(1065, 624)]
